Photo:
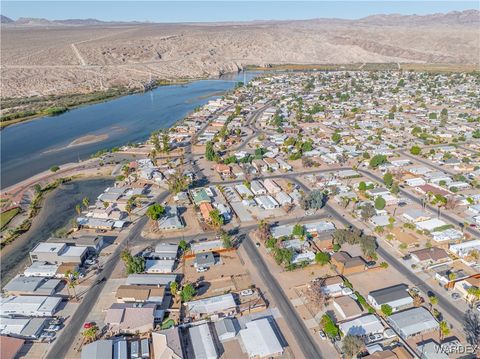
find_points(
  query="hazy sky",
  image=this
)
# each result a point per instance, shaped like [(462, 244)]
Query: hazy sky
[(202, 11)]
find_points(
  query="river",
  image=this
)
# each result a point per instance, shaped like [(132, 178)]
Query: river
[(57, 212), (32, 147)]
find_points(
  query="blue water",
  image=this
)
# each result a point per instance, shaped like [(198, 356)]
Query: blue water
[(32, 147)]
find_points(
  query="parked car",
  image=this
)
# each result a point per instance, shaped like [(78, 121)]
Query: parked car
[(322, 335), (88, 325), (257, 244), (478, 307), (246, 292), (455, 296), (201, 269), (53, 328)]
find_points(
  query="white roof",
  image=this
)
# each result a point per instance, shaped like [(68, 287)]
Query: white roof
[(202, 342), (29, 305), (414, 320), (212, 305), (41, 269), (368, 324), (159, 265), (259, 339), (48, 247), (430, 224)]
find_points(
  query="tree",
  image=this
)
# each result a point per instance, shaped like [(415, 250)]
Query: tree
[(352, 345), (377, 160), (155, 141), (210, 151), (226, 239), (173, 288), (315, 295), (187, 292), (85, 202), (155, 211), (177, 182), (368, 246), (165, 142), (133, 264), (322, 258), (329, 327), (362, 186), (183, 245), (37, 188), (473, 293), (72, 280), (471, 327), (444, 329), (380, 203), (316, 199), (78, 209), (216, 218), (90, 334), (367, 212), (415, 150), (298, 230), (263, 230), (336, 137), (386, 309), (54, 168), (388, 179)]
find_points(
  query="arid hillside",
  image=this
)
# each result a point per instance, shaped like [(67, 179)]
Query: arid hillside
[(44, 57)]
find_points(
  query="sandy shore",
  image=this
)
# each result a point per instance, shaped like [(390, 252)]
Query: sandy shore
[(84, 140)]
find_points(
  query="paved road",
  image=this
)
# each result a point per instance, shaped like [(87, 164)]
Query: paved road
[(62, 345), (300, 332)]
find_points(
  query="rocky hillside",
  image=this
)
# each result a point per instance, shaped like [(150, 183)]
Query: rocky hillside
[(41, 57)]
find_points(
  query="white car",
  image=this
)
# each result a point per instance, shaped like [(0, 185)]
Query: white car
[(322, 335), (202, 269), (246, 292)]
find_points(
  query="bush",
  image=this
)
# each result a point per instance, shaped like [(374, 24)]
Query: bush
[(54, 168), (322, 258), (380, 203)]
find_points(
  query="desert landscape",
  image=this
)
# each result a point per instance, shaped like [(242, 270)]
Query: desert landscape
[(42, 58)]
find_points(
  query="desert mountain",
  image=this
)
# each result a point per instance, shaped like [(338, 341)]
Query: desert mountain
[(88, 55)]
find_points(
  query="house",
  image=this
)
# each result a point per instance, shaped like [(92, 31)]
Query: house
[(205, 209), (130, 318), (21, 285), (257, 188), (226, 328), (223, 169), (10, 347), (282, 231), (415, 215), (430, 225), (25, 328), (346, 264), (362, 326), (221, 304), (415, 182), (243, 191), (333, 286), (271, 186), (266, 202), (260, 340), (431, 350), (463, 285), (397, 297), (57, 253), (207, 246), (170, 220), (159, 265), (30, 305), (151, 279), (200, 197), (41, 269), (464, 249), (166, 251), (283, 198), (140, 294), (379, 191), (380, 220), (202, 342), (413, 322), (204, 260), (166, 344), (430, 256), (446, 235), (347, 307)]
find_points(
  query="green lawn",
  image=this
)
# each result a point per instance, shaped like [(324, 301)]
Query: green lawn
[(6, 217)]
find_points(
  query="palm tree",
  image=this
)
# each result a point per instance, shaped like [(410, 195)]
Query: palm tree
[(78, 209), (444, 329), (85, 202), (72, 278)]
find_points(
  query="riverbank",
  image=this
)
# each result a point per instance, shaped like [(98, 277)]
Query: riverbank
[(31, 108), (57, 211)]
